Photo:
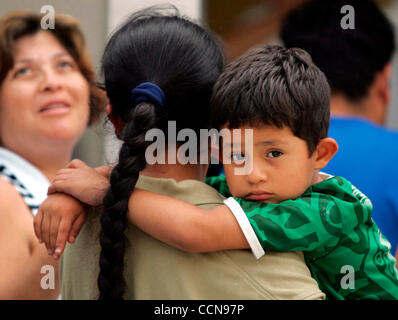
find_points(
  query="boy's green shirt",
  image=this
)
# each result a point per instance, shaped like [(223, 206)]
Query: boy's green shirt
[(331, 222)]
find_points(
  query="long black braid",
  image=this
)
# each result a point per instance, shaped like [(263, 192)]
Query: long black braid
[(123, 180)]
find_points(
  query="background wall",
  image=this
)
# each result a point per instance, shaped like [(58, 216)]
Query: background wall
[(391, 10), (120, 9), (117, 11)]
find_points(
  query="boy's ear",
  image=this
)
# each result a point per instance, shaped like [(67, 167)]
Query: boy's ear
[(326, 149)]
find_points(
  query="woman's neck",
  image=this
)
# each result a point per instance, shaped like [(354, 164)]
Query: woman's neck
[(177, 171), (50, 168)]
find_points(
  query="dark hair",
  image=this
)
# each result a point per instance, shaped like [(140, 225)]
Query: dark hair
[(18, 24), (349, 58), (276, 86), (184, 61)]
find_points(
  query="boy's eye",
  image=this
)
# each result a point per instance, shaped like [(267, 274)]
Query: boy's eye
[(274, 154)]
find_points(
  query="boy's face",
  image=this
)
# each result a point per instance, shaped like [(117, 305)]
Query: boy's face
[(281, 166)]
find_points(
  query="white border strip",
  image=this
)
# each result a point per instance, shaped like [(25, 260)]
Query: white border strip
[(246, 227)]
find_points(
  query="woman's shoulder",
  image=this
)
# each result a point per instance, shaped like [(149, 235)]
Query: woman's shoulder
[(26, 179), (7, 190), (16, 220), (16, 225), (11, 201)]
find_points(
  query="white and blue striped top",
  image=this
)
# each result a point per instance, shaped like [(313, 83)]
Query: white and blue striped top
[(30, 183)]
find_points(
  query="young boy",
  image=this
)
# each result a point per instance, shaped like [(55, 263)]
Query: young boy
[(287, 204)]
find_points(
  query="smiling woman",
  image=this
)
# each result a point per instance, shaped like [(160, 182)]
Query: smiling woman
[(47, 98), (51, 94)]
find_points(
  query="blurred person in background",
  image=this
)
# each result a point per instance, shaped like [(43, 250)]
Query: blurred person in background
[(47, 98), (357, 63)]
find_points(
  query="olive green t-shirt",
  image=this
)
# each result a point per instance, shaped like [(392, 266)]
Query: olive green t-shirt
[(155, 270)]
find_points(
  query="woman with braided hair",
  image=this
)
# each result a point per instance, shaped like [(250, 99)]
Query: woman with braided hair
[(159, 69)]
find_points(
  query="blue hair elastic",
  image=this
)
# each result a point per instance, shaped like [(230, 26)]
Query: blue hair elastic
[(148, 91)]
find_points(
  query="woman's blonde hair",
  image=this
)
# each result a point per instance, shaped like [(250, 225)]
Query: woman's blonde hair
[(18, 24)]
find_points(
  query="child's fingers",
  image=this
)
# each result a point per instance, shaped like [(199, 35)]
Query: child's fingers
[(51, 189), (76, 226), (67, 233), (58, 178), (37, 224), (59, 186), (58, 251), (76, 163), (45, 227), (64, 172), (62, 236), (53, 232)]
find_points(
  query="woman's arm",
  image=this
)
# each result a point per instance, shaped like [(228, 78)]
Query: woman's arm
[(21, 256), (183, 225)]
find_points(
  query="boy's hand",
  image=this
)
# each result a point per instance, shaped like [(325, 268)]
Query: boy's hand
[(59, 219), (103, 170), (86, 184)]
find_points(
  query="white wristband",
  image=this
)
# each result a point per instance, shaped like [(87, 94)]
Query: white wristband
[(246, 227)]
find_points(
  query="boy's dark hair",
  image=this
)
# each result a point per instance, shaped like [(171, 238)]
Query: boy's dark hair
[(184, 60), (276, 86), (349, 58)]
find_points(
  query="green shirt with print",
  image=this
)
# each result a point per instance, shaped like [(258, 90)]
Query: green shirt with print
[(331, 222)]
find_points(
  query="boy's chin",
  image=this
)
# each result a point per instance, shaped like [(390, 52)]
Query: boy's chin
[(270, 201)]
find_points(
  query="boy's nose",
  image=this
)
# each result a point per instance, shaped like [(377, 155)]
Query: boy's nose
[(257, 175)]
